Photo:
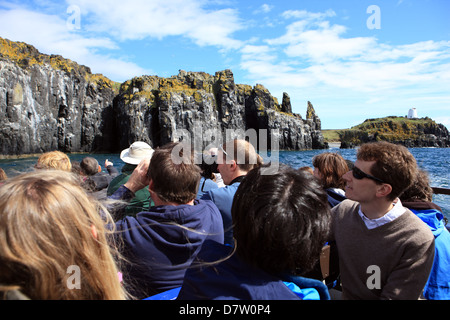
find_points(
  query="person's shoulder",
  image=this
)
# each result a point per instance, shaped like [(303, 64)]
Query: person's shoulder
[(220, 193), (418, 229), (345, 206), (206, 204)]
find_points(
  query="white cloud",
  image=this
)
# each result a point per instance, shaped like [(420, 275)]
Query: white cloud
[(138, 19), (50, 35), (314, 48), (306, 15), (315, 60)]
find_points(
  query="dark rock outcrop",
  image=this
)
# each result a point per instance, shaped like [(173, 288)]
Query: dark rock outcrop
[(207, 108), (50, 103)]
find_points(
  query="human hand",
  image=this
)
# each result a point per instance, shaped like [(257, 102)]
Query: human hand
[(108, 163), (139, 178)]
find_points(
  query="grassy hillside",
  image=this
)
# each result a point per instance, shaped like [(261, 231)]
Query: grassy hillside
[(393, 129)]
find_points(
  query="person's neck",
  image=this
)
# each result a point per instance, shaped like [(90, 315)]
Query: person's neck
[(159, 202), (377, 209)]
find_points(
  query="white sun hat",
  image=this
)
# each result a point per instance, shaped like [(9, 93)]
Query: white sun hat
[(138, 151)]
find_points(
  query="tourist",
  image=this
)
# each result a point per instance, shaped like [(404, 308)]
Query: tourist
[(208, 168), (137, 151), (161, 243), (234, 160), (96, 179), (281, 221), (418, 198), (55, 160), (385, 251), (329, 168), (54, 244)]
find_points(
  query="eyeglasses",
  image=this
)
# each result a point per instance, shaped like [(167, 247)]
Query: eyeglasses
[(221, 149), (359, 174)]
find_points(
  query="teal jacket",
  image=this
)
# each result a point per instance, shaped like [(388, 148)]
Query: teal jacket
[(141, 201)]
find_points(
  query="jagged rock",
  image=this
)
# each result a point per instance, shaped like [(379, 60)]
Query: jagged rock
[(49, 103), (44, 108), (286, 103), (166, 107)]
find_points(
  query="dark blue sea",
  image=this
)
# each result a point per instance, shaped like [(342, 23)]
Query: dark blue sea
[(436, 161)]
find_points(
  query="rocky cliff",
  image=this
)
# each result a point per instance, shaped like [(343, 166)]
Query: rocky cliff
[(206, 108), (48, 103)]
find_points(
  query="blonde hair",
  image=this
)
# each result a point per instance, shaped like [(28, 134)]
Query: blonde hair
[(3, 175), (54, 160), (47, 223)]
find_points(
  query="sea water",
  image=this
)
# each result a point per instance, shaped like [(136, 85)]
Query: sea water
[(436, 161)]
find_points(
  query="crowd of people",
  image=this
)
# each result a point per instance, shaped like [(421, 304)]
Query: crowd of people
[(229, 228)]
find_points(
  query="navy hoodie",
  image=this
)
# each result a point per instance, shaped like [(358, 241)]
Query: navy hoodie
[(161, 244), (230, 279)]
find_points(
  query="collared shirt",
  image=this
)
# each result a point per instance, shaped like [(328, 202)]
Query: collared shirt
[(391, 215)]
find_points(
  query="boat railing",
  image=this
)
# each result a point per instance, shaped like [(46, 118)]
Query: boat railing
[(437, 190)]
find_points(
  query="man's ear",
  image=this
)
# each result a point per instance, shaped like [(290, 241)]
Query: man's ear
[(150, 186), (384, 190), (233, 165)]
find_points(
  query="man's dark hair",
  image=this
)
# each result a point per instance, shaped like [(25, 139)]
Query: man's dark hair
[(281, 220), (174, 174)]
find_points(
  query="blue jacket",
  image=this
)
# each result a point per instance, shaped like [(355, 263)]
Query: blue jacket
[(233, 278), (334, 198), (205, 186), (161, 243), (438, 285), (223, 199)]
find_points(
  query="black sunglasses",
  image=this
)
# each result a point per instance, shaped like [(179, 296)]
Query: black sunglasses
[(359, 174)]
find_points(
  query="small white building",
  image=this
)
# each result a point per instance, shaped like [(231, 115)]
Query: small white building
[(412, 113)]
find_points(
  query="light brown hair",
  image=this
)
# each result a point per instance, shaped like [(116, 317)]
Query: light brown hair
[(332, 167), (394, 164), (174, 180), (243, 153), (47, 223), (89, 166)]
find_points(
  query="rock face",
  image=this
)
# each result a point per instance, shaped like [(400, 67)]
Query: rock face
[(206, 108), (50, 103)]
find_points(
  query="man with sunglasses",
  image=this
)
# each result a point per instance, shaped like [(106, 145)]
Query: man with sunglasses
[(385, 251)]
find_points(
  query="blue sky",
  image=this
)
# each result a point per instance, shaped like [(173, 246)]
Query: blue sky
[(353, 59)]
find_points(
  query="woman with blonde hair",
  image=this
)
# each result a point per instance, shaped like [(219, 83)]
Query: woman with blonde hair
[(54, 160), (53, 243)]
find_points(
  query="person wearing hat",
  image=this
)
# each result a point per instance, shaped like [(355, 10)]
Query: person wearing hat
[(137, 151)]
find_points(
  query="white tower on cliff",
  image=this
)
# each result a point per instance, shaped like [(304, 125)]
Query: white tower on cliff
[(412, 113)]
